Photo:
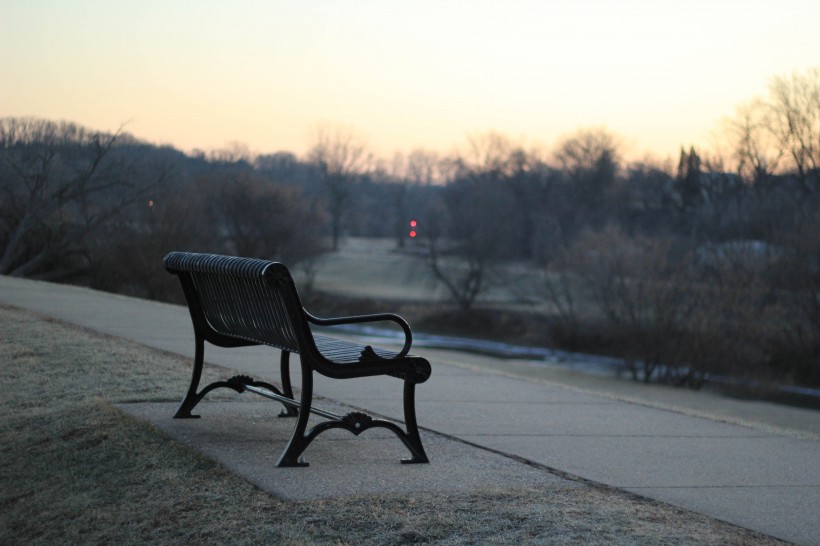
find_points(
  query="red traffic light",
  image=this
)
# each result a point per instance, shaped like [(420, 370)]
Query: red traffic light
[(413, 225)]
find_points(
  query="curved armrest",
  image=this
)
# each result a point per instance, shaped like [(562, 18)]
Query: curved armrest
[(379, 317)]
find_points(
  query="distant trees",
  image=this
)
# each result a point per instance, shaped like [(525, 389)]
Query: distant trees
[(127, 257), (689, 188), (60, 183), (795, 274), (675, 317), (756, 152), (260, 218), (104, 208), (590, 161), (689, 271), (227, 209), (780, 132), (341, 159), (794, 108), (700, 266), (476, 216), (405, 174), (475, 222), (503, 203)]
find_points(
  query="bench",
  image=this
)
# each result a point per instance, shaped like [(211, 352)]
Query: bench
[(238, 302)]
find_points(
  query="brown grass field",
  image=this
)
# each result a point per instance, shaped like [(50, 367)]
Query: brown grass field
[(75, 470)]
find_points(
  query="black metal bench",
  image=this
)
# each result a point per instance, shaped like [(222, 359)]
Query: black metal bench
[(236, 302)]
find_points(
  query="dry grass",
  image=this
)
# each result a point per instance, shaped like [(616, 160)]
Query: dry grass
[(73, 469)]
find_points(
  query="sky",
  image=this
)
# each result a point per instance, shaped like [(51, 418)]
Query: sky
[(402, 75)]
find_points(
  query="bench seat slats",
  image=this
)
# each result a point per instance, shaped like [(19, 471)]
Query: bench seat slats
[(346, 352), (245, 309), (263, 324)]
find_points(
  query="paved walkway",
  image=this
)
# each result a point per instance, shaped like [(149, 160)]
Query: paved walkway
[(761, 477)]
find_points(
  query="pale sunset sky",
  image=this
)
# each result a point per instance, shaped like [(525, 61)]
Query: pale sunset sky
[(200, 74)]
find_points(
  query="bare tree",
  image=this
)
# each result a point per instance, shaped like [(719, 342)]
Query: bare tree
[(590, 160), (561, 290), (476, 234), (780, 133), (796, 347), (490, 214), (489, 156), (757, 153), (423, 167), (419, 168), (678, 316), (233, 152), (125, 257), (394, 173), (59, 183), (342, 158), (795, 122), (258, 218)]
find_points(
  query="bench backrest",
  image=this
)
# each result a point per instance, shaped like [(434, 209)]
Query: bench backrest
[(241, 298)]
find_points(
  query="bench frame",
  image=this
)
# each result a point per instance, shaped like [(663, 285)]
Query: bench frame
[(240, 302)]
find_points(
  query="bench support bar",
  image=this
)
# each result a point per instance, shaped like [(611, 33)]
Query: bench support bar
[(355, 422)]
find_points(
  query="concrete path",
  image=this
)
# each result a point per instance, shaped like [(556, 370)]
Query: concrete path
[(761, 474), (247, 438)]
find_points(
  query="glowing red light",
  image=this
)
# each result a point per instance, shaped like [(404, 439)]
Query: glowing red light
[(412, 234), (412, 223)]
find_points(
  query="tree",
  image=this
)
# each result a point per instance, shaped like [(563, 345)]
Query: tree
[(688, 187), (466, 228), (674, 319), (795, 122), (233, 152), (757, 153), (796, 347), (489, 156), (419, 168), (341, 158), (476, 232), (126, 256), (590, 160), (59, 183), (649, 197), (780, 133), (258, 218)]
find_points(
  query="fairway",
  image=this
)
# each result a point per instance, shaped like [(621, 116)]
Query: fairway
[(375, 269)]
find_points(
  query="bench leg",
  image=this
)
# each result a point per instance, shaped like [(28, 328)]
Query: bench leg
[(354, 422), (191, 399), (298, 440), (413, 439), (287, 389)]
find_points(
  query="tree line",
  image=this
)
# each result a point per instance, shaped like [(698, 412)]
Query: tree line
[(696, 271), (693, 270)]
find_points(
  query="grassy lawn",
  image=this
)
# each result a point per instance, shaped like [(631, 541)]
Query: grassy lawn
[(74, 470)]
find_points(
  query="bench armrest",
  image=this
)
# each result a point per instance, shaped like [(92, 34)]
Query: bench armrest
[(379, 317)]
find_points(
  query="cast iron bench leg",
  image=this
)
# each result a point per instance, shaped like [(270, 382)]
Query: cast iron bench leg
[(287, 389), (354, 422), (298, 440), (191, 399), (413, 439)]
